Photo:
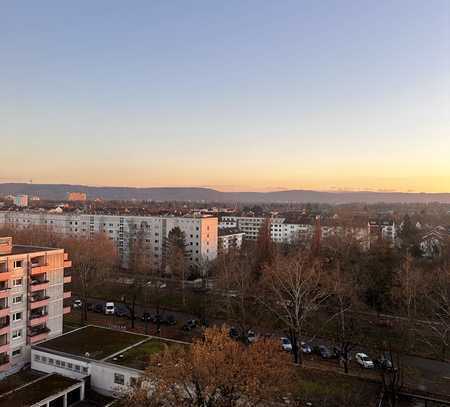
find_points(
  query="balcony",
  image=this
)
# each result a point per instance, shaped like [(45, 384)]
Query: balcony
[(4, 292), (66, 256), (67, 263), (4, 326), (67, 294), (4, 362), (67, 310), (38, 285), (38, 319), (39, 301), (39, 269), (5, 276), (38, 334), (67, 279), (4, 309), (4, 348)]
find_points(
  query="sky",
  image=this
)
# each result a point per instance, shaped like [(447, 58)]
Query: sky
[(235, 95)]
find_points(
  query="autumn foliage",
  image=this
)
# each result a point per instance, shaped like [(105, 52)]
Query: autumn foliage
[(215, 371)]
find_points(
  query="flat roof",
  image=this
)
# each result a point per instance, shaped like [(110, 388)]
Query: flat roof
[(138, 356), (92, 342), (18, 379), (37, 391), (21, 249)]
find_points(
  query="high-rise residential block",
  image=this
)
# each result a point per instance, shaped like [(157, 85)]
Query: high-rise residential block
[(32, 299)]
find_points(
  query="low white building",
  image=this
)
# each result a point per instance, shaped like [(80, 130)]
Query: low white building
[(111, 360)]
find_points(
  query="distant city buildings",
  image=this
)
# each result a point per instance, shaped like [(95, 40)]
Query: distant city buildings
[(20, 200), (382, 229), (32, 300), (200, 232), (76, 196)]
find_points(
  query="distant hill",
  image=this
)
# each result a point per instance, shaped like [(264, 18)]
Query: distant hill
[(59, 192)]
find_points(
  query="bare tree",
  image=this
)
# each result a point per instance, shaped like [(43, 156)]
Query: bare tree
[(92, 260), (293, 293), (176, 257)]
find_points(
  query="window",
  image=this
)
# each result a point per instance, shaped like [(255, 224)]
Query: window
[(17, 299), (17, 316), (50, 361), (17, 334), (119, 378), (57, 362), (63, 364), (69, 365), (133, 381), (44, 359), (18, 264), (16, 352), (77, 368), (37, 358), (17, 282), (85, 370)]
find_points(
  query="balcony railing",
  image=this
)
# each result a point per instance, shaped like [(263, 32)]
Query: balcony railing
[(4, 292), (4, 362), (39, 285), (34, 315), (38, 331), (37, 298)]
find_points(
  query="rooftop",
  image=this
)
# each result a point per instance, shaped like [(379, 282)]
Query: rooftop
[(229, 231), (138, 356), (93, 342), (20, 249), (36, 391)]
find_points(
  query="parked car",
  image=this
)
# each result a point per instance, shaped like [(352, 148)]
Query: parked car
[(383, 361), (363, 360), (171, 320), (89, 306), (233, 333), (324, 352), (122, 311), (251, 336), (286, 344), (99, 307), (305, 348), (110, 308), (77, 304), (157, 319), (146, 317), (189, 325)]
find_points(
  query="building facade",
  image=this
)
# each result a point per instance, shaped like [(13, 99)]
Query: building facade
[(32, 298), (21, 200), (200, 232), (76, 196), (229, 239)]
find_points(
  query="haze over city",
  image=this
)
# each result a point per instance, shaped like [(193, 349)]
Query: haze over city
[(255, 95)]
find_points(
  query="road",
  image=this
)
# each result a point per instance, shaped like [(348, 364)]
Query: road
[(419, 373)]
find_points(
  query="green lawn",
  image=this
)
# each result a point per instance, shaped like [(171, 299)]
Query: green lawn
[(334, 390), (138, 357), (98, 342)]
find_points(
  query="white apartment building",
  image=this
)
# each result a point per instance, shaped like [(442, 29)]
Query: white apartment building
[(230, 239), (280, 231), (32, 294), (200, 232)]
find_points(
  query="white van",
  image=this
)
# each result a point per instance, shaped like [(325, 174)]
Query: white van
[(109, 308)]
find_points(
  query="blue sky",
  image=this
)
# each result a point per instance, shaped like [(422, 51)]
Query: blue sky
[(235, 95)]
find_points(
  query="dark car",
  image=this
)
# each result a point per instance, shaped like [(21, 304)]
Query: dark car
[(146, 317), (157, 319), (122, 311), (89, 306), (324, 352), (233, 333), (99, 307), (383, 361), (189, 325), (170, 320)]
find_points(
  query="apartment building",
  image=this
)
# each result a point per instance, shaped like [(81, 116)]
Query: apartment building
[(76, 196), (229, 239), (280, 231), (32, 295), (383, 229), (200, 231), (21, 200)]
